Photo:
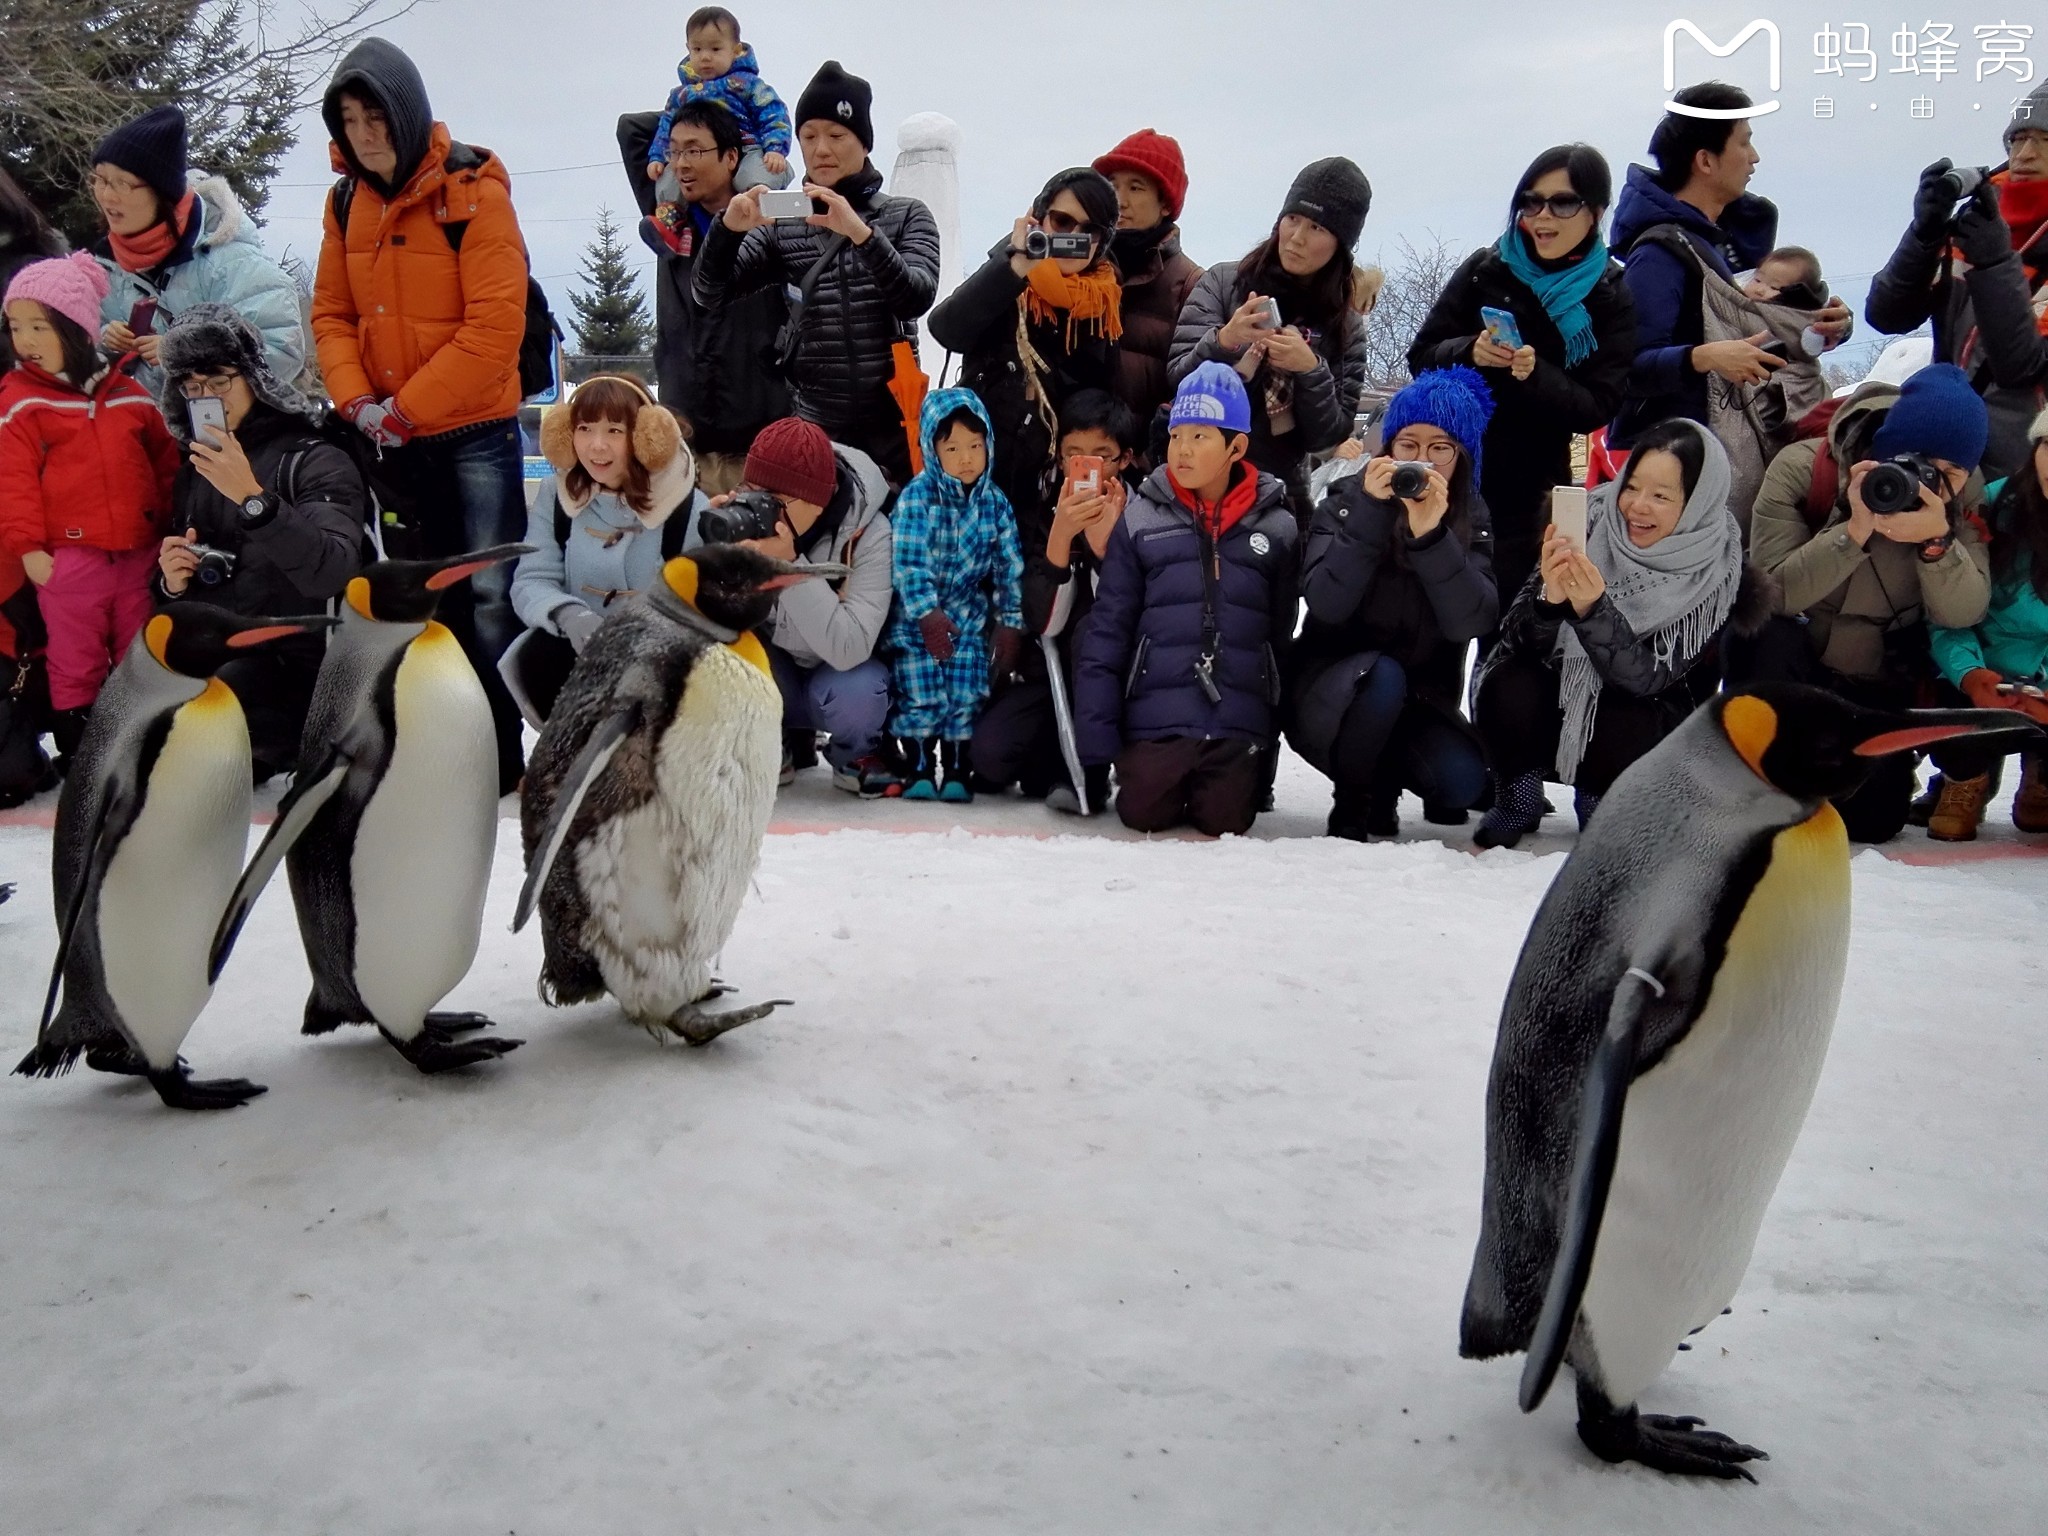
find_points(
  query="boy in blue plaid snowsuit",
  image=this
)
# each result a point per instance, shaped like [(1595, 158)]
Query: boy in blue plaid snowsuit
[(958, 567)]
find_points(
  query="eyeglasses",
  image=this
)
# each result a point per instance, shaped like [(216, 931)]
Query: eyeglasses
[(215, 388), (693, 152), (125, 186), (1442, 451), (1565, 205), (1066, 224)]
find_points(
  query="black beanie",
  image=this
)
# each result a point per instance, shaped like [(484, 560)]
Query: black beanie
[(151, 149), (1091, 190), (840, 98), (1334, 193)]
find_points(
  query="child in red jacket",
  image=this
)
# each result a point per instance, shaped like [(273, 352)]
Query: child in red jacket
[(86, 466)]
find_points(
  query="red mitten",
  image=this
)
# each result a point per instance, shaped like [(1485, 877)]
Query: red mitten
[(939, 634), (1007, 647)]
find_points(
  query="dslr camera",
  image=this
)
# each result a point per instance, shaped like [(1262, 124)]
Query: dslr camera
[(747, 516), (215, 565), (1039, 244), (1894, 485), (1411, 479), (1962, 180)]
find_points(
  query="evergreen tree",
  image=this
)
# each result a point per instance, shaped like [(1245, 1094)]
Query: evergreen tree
[(611, 314)]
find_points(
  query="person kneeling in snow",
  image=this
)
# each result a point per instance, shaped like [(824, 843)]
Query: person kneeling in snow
[(1179, 674), (957, 567)]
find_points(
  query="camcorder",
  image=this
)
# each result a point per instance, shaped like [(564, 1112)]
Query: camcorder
[(746, 516), (1411, 479), (1040, 244), (1894, 485), (215, 565)]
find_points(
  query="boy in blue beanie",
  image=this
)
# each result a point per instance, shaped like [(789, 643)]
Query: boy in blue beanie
[(1178, 677)]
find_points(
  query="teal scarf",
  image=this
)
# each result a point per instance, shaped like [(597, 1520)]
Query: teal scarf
[(1563, 292)]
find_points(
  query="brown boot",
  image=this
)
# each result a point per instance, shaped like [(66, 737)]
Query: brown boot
[(1956, 818), (2030, 803)]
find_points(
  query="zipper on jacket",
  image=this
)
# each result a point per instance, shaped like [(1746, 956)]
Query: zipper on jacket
[(1212, 630)]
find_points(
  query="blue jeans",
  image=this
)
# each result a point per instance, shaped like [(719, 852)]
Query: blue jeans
[(465, 490), (851, 705)]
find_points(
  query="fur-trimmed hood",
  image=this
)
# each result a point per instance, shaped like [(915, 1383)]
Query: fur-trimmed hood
[(1756, 600)]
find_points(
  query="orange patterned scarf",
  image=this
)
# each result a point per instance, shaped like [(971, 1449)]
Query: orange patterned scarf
[(1093, 299)]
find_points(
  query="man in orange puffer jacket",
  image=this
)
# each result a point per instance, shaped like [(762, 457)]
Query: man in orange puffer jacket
[(418, 311)]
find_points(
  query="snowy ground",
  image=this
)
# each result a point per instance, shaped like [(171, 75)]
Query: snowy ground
[(1092, 1186)]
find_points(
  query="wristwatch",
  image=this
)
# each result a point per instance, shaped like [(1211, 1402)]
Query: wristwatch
[(259, 509)]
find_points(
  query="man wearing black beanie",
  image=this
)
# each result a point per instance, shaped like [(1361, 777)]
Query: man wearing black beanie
[(866, 265)]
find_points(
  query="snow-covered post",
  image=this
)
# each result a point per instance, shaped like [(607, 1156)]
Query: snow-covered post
[(928, 169)]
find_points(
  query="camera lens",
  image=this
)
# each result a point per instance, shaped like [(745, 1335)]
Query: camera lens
[(1894, 485), (1410, 480), (1960, 182)]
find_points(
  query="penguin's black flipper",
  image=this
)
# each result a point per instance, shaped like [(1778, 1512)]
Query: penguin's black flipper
[(1613, 1069), (596, 755), (311, 789)]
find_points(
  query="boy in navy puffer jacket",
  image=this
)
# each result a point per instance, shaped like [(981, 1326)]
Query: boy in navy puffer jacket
[(1178, 680)]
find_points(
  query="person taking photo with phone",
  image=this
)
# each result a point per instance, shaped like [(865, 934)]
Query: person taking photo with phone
[(270, 515), (1572, 326), (1975, 262), (1397, 575), (1607, 649)]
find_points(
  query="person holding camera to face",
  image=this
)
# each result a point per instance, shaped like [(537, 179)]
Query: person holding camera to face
[(805, 498), (272, 514), (1975, 262), (1874, 534)]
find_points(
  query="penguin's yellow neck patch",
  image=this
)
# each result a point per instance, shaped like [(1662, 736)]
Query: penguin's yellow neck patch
[(357, 596), (681, 576), (751, 651), (156, 634), (1751, 726)]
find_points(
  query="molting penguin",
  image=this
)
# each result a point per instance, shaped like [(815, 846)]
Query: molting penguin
[(1659, 1048), (389, 827), (649, 791), (151, 830)]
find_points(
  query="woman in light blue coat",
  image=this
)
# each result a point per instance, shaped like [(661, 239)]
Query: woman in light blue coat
[(178, 238), (617, 506)]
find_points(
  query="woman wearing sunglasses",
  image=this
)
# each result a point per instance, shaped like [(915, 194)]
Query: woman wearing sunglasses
[(1575, 327)]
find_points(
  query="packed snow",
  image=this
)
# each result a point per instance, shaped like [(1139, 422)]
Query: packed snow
[(1092, 1185)]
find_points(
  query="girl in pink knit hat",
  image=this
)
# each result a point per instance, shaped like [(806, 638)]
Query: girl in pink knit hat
[(86, 466)]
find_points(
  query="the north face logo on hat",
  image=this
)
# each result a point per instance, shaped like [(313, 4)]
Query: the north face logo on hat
[(1198, 407), (845, 110)]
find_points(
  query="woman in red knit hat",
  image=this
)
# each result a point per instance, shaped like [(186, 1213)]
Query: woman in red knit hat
[(1151, 184)]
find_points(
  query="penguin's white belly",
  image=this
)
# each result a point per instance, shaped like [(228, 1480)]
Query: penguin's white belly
[(171, 876), (1707, 1132), (422, 856), (665, 881)]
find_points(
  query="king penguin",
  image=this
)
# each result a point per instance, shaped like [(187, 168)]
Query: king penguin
[(389, 827), (1659, 1048), (649, 792), (151, 829)]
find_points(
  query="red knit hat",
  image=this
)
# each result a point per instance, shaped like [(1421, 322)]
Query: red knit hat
[(1154, 155), (793, 457)]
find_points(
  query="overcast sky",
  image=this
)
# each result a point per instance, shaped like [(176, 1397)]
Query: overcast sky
[(1441, 105)]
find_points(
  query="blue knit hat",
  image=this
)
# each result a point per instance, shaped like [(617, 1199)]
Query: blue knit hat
[(1938, 414), (1212, 396), (1454, 400)]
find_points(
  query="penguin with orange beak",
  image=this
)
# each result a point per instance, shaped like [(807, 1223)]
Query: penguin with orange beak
[(1659, 1047), (649, 792), (389, 827), (151, 830)]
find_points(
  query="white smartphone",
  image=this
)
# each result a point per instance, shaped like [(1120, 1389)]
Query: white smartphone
[(1568, 514), (788, 203), (209, 417)]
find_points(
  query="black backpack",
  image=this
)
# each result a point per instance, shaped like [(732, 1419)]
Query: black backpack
[(537, 344)]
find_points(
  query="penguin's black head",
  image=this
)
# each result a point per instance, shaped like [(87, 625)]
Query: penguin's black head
[(408, 591), (198, 639), (1815, 746), (735, 586)]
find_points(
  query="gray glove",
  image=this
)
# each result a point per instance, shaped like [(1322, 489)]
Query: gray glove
[(578, 622)]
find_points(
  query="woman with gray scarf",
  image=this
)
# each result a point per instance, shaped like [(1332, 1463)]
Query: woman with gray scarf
[(1604, 653)]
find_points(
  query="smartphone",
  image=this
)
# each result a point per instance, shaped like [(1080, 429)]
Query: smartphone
[(2024, 690), (209, 417), (1501, 327), (788, 203), (1269, 318), (142, 318), (1568, 514), (1781, 350), (1084, 474)]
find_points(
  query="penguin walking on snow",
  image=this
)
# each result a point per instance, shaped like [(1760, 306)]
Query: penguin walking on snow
[(649, 792), (151, 829), (1659, 1048), (388, 829)]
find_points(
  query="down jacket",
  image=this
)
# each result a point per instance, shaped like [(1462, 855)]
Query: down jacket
[(838, 625), (1325, 398), (1156, 289), (91, 467), (866, 299), (1136, 677), (218, 260)]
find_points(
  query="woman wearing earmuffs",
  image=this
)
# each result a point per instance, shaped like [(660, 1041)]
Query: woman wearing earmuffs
[(617, 506)]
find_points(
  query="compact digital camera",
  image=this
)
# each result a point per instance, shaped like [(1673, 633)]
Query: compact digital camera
[(1411, 479), (215, 565)]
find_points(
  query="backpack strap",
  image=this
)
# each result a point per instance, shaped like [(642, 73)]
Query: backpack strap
[(341, 199), (1822, 488)]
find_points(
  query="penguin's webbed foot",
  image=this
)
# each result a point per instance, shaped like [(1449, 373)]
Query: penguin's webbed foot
[(698, 1027), (434, 1051), (1666, 1444), (444, 1027), (181, 1090)]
